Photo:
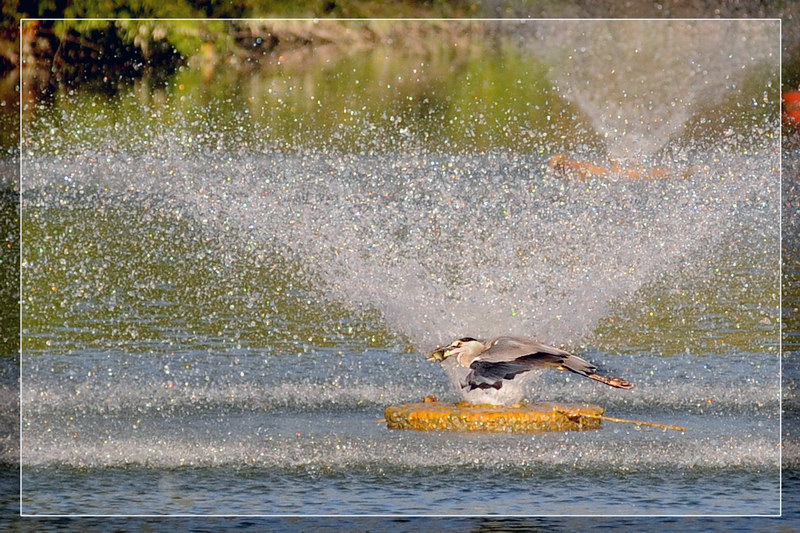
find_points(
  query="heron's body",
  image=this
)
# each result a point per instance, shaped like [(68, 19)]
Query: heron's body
[(500, 370)]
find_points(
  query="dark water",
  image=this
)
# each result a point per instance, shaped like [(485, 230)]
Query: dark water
[(788, 522)]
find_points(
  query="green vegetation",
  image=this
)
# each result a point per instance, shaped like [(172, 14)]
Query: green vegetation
[(727, 310), (83, 36)]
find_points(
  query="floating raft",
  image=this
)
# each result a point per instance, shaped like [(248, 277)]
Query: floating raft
[(462, 416)]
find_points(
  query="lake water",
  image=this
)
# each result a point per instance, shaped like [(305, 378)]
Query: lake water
[(227, 279)]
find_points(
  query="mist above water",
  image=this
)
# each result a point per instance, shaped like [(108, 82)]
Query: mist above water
[(449, 245), (641, 82)]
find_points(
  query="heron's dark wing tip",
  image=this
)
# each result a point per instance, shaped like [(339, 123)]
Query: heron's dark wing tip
[(484, 375)]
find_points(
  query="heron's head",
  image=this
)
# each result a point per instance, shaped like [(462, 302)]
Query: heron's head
[(463, 346)]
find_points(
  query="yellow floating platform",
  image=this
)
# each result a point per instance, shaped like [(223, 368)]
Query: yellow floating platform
[(532, 418)]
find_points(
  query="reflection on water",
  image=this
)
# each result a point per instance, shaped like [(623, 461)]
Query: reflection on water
[(377, 100), (520, 88)]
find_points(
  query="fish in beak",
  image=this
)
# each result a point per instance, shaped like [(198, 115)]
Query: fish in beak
[(438, 354)]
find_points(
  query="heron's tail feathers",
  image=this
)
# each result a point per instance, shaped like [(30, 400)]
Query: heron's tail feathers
[(584, 368)]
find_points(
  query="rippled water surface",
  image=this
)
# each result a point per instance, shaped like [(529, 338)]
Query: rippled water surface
[(301, 434)]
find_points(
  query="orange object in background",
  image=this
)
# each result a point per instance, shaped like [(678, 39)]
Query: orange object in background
[(582, 170), (791, 108)]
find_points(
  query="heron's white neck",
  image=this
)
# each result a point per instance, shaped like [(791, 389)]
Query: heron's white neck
[(468, 352)]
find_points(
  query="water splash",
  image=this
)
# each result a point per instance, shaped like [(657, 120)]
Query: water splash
[(640, 83), (329, 455), (326, 383), (447, 245)]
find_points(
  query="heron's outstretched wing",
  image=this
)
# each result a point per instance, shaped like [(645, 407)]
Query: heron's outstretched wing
[(486, 374), (511, 348), (508, 357)]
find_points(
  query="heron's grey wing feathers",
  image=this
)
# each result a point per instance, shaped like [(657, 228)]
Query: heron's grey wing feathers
[(511, 348), (532, 354)]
